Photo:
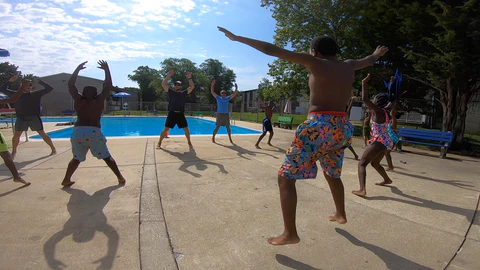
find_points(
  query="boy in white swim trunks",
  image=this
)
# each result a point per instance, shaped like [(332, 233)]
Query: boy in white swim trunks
[(87, 134)]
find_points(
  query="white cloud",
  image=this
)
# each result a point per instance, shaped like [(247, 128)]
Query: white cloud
[(149, 28), (204, 9), (170, 41), (197, 23), (102, 21), (131, 23), (219, 13), (5, 8), (64, 1), (158, 7), (99, 8), (188, 19)]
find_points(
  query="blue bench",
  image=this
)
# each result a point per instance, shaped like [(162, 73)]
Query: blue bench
[(438, 138), (68, 112)]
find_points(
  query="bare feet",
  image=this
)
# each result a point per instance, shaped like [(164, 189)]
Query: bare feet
[(283, 239), (231, 141), (67, 183), (270, 144), (258, 147), (338, 218), (121, 181), (213, 139), (361, 193), (356, 157), (385, 182), (20, 180), (389, 169), (54, 152), (159, 146), (13, 155), (190, 145)]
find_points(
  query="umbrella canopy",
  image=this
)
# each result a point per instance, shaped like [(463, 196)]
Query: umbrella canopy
[(4, 53), (122, 94)]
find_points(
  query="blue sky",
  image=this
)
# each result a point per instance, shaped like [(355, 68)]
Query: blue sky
[(49, 37)]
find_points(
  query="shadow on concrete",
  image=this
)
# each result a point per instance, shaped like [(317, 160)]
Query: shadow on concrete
[(190, 158), (455, 183), (392, 260), (276, 149), (11, 191), (241, 152), (429, 153), (86, 218), (5, 172), (416, 201), (294, 264)]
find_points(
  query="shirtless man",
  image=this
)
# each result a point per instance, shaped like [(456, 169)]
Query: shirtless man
[(87, 133), (7, 158), (326, 132), (267, 122)]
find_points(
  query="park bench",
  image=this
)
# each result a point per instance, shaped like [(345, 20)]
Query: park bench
[(154, 112), (427, 137), (197, 114), (68, 112), (284, 122)]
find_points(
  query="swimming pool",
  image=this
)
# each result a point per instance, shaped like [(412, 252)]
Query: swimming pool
[(146, 126)]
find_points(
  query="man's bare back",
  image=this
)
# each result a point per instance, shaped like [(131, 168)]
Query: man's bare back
[(89, 112)]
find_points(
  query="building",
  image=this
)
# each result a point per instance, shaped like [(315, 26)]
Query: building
[(59, 100)]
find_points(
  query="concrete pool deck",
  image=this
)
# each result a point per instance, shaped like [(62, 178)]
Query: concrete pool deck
[(214, 208)]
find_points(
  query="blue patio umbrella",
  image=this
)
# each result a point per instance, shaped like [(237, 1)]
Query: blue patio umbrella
[(122, 95), (4, 53)]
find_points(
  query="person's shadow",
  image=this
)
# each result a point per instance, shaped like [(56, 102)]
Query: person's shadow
[(86, 218), (392, 260), (5, 173), (241, 152), (190, 158), (455, 183), (416, 201), (289, 262)]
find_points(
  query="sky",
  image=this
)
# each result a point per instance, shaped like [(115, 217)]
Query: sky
[(50, 37)]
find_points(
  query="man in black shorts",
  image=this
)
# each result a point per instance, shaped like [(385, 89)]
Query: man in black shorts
[(176, 107), (27, 110), (267, 122)]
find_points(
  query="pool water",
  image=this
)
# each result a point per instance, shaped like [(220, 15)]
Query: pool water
[(146, 126)]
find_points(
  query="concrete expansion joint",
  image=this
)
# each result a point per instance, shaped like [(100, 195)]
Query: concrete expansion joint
[(155, 248)]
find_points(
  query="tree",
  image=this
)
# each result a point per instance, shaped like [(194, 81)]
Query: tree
[(213, 69), (445, 55), (145, 76), (290, 80), (264, 89), (7, 71)]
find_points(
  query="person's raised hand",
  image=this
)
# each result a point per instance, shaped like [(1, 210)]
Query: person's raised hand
[(227, 33), (380, 51), (14, 78), (367, 79), (102, 65)]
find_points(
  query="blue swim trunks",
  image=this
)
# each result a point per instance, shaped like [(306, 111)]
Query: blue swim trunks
[(323, 137), (84, 138)]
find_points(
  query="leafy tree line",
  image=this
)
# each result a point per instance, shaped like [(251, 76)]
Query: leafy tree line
[(150, 80), (435, 44)]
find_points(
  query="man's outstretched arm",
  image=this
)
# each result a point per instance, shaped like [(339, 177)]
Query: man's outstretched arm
[(191, 85), (212, 89), (165, 81), (270, 49), (369, 60), (47, 88), (108, 80), (4, 87), (12, 98), (232, 96), (72, 89)]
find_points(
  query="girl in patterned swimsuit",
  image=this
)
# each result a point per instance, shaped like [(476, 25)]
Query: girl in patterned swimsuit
[(380, 140)]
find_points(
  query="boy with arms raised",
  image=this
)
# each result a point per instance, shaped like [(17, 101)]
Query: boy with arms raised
[(326, 132)]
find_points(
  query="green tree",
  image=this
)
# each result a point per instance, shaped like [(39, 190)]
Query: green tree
[(264, 89), (445, 55), (7, 71), (145, 76), (213, 69)]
